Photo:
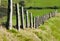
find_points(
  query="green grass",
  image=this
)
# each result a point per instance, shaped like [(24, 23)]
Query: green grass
[(37, 3), (40, 12), (41, 3), (52, 26), (50, 31)]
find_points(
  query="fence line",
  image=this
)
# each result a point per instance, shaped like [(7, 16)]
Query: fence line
[(31, 21)]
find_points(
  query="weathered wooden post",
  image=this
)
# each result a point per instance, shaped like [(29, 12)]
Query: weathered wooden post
[(17, 17), (42, 19), (9, 16), (38, 21), (31, 21), (34, 22), (55, 12), (27, 19), (50, 14), (46, 17), (22, 4), (22, 17)]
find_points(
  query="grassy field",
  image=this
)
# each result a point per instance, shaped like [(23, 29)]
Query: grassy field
[(44, 3), (37, 3), (50, 31)]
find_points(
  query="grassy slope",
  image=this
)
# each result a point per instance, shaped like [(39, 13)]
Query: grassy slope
[(43, 2), (38, 2), (50, 31), (52, 26)]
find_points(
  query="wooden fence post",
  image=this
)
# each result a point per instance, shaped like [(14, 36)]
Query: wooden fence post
[(55, 12), (45, 17), (38, 21), (27, 19), (17, 17), (42, 19), (22, 17), (49, 15), (31, 21), (34, 22), (9, 15)]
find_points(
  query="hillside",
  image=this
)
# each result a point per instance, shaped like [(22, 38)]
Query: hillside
[(50, 31), (38, 3)]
